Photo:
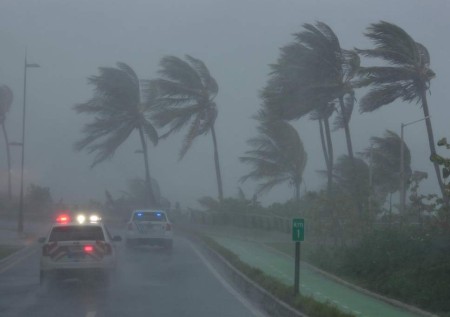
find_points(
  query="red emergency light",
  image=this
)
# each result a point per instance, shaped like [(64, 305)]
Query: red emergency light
[(63, 218)]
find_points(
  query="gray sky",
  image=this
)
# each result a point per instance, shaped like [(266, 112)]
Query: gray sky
[(237, 39)]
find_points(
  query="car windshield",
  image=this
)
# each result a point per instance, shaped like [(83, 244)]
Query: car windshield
[(149, 216), (77, 233)]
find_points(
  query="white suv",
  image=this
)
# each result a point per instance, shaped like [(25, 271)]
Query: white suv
[(78, 250), (149, 227)]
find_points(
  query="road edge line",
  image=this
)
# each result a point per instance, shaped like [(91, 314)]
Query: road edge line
[(225, 284)]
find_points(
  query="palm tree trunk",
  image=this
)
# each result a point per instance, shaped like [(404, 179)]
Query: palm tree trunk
[(348, 137), (330, 158), (151, 196), (350, 151), (297, 193), (8, 157), (216, 163), (322, 140), (426, 114)]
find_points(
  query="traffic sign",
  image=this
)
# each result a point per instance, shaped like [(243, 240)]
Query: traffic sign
[(298, 229)]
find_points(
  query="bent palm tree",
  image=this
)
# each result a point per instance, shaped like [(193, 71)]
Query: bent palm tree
[(6, 98), (118, 110), (277, 156), (408, 76), (186, 92), (384, 154), (331, 71)]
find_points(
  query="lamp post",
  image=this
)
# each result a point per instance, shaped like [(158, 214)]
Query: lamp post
[(25, 68), (402, 164)]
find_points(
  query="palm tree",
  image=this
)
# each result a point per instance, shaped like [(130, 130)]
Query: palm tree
[(407, 77), (6, 98), (118, 110), (384, 154), (277, 156), (330, 73), (186, 92)]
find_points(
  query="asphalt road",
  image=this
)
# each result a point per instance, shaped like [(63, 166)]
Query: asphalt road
[(150, 282)]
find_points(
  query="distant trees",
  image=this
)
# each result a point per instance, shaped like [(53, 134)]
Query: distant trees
[(38, 199), (117, 111), (186, 92), (6, 99)]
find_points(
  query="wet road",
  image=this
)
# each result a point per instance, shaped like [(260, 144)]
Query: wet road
[(150, 282)]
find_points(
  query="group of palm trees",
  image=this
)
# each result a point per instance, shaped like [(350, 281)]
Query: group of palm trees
[(315, 77), (182, 96)]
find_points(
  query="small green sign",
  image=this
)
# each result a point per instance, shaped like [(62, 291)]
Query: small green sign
[(298, 229)]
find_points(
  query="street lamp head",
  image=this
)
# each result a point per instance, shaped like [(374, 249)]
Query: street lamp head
[(32, 65)]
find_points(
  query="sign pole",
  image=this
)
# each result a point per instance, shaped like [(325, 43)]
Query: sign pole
[(297, 269), (298, 234)]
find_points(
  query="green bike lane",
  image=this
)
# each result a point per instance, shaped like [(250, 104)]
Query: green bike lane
[(312, 283)]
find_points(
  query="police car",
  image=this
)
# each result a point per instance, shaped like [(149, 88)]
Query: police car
[(81, 248), (149, 227)]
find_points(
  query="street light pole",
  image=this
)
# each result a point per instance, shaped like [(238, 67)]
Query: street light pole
[(402, 164), (26, 66)]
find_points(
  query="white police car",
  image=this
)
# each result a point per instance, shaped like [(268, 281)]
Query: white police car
[(149, 227), (80, 249)]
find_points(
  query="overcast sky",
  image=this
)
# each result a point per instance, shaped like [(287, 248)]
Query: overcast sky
[(237, 39)]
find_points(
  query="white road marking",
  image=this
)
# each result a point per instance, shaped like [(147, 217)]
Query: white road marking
[(91, 314), (226, 285)]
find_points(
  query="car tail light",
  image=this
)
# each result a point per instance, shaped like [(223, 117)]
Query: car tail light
[(88, 248), (130, 226), (168, 227)]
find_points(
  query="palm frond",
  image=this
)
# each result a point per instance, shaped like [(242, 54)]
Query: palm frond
[(176, 70), (207, 80)]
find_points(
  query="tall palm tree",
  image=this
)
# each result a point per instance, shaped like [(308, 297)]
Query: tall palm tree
[(6, 98), (407, 77), (331, 71), (118, 110), (277, 156), (186, 92)]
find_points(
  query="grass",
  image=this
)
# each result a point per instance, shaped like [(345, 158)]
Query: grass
[(6, 250)]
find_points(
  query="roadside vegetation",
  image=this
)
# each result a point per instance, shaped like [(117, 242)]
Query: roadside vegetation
[(354, 228)]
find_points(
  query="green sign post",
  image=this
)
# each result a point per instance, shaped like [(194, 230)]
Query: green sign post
[(298, 235), (298, 230)]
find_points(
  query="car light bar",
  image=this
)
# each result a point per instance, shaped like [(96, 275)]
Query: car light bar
[(63, 218)]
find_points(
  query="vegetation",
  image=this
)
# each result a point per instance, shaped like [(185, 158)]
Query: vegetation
[(118, 111), (186, 92), (277, 156), (407, 264)]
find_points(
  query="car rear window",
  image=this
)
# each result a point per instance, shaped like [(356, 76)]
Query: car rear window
[(77, 233), (149, 216)]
